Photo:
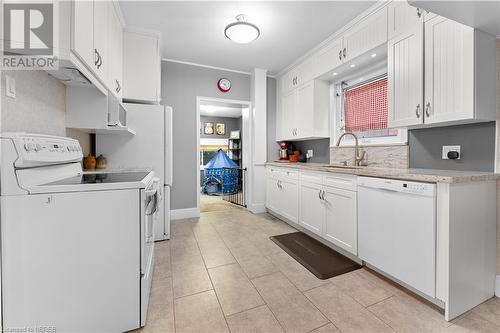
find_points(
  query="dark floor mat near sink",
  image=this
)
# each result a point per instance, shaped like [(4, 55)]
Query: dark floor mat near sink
[(318, 258)]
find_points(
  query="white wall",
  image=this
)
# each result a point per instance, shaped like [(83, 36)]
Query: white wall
[(39, 106)]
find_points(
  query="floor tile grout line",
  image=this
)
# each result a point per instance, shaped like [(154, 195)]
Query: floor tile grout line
[(212, 283), (249, 309), (267, 305), (172, 286), (193, 294)]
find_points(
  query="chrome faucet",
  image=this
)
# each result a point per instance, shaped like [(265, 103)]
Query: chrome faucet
[(359, 155)]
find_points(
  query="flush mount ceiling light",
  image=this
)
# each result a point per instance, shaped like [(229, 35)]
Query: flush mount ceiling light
[(242, 31)]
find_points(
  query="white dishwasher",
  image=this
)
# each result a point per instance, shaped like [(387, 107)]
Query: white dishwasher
[(397, 230)]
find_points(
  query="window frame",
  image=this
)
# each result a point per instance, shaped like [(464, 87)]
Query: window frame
[(338, 115)]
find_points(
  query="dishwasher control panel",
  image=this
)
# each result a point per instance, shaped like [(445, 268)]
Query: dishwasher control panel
[(391, 185)]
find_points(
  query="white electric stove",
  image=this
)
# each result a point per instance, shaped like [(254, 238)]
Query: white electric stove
[(77, 248)]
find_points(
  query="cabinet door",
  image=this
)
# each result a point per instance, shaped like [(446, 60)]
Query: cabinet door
[(288, 115), (304, 111), (341, 226), (272, 194), (366, 35), (82, 41), (289, 200), (115, 48), (312, 209), (141, 67), (402, 17), (328, 58), (101, 39), (449, 71), (405, 73)]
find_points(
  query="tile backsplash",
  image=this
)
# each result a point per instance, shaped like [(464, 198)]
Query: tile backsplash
[(39, 106), (383, 156)]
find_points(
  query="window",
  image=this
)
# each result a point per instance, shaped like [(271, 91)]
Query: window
[(364, 110)]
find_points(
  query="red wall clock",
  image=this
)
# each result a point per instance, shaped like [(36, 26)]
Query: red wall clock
[(224, 85)]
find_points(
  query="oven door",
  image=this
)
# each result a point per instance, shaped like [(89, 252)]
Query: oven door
[(150, 204)]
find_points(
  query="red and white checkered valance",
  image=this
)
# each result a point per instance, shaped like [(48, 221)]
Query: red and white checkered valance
[(366, 107)]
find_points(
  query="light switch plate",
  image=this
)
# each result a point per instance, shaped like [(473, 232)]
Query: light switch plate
[(446, 149), (10, 86), (309, 153)]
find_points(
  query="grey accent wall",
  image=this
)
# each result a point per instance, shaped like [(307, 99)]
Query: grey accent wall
[(181, 84), (477, 143), (320, 147), (272, 146), (232, 124)]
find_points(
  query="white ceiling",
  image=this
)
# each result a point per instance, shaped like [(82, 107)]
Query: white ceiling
[(220, 109), (194, 31)]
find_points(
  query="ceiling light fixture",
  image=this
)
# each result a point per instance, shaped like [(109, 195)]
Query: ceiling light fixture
[(241, 31), (374, 55), (334, 73), (352, 65)]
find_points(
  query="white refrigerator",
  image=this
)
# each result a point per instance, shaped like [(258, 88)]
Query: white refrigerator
[(149, 148)]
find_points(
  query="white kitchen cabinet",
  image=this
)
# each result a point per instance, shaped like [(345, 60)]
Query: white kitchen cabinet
[(141, 67), (288, 198), (366, 35), (101, 39), (449, 71), (405, 75), (272, 193), (115, 48), (328, 58), (312, 209), (402, 18), (341, 223), (304, 113), (459, 85), (82, 41), (282, 193)]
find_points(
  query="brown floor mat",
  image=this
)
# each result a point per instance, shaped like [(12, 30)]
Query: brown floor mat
[(318, 258)]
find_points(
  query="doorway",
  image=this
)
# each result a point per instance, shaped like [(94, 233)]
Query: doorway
[(223, 153)]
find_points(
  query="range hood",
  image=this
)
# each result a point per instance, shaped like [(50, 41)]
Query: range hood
[(70, 75)]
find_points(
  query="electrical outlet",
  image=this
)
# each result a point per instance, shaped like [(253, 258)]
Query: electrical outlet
[(309, 153), (10, 86), (447, 149)]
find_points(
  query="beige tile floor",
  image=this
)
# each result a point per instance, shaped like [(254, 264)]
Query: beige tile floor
[(221, 273)]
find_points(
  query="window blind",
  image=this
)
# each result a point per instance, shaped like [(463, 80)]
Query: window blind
[(366, 107)]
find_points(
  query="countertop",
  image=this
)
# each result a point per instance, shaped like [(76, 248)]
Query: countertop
[(418, 175)]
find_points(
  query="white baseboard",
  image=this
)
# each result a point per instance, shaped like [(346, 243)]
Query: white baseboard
[(497, 286), (257, 208), (186, 213)]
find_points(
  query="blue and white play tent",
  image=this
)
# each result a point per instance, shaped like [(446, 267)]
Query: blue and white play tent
[(221, 175)]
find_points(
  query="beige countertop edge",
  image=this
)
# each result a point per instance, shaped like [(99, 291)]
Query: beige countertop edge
[(421, 175)]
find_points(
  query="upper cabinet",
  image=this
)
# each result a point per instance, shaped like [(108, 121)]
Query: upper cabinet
[(97, 42), (402, 18), (142, 67), (115, 50), (366, 35), (439, 72)]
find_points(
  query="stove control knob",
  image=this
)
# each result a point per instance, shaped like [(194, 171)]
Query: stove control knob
[(28, 146), (69, 148), (38, 147)]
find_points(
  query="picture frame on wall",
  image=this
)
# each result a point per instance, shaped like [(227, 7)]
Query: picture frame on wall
[(208, 128), (220, 128)]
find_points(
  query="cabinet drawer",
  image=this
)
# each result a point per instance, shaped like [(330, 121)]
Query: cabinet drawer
[(311, 177), (347, 182), (289, 174), (273, 172)]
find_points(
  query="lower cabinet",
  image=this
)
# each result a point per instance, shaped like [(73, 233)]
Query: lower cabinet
[(282, 197), (341, 222), (328, 211)]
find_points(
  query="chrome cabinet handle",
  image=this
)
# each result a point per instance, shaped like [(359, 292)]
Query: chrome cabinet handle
[(427, 109), (340, 55), (100, 61), (344, 52), (319, 195), (417, 110), (419, 12), (96, 57)]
